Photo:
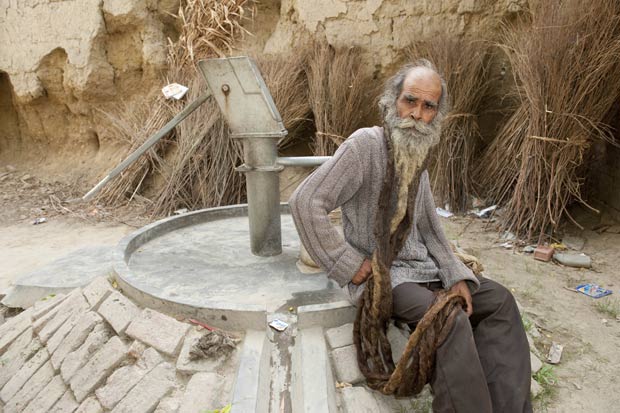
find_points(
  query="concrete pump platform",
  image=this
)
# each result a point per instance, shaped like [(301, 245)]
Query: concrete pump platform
[(199, 265)]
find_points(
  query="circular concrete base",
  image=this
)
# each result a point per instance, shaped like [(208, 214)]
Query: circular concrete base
[(200, 265)]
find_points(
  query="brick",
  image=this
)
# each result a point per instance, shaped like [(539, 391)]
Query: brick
[(47, 397), (200, 392), (90, 405), (73, 361), (340, 336), (13, 328), (45, 305), (358, 400), (76, 337), (169, 404), (98, 368), (125, 378), (188, 366), (31, 389), (118, 311), (345, 364), (66, 404), (97, 291), (22, 349), (146, 395), (535, 363), (159, 331), (23, 375), (51, 313), (60, 334), (72, 305)]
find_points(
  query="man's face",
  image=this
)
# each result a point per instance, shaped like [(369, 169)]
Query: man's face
[(419, 98)]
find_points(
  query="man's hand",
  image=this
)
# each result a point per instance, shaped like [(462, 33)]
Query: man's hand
[(462, 288), (363, 273)]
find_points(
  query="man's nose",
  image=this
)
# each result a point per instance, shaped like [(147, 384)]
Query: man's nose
[(416, 113)]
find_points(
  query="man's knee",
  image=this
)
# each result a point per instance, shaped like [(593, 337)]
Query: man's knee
[(498, 297)]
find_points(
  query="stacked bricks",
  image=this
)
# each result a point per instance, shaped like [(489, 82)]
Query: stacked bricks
[(94, 350)]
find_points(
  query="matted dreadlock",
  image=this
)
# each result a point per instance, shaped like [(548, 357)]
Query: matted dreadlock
[(393, 224)]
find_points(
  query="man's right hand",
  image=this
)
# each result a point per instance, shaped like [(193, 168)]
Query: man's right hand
[(363, 273)]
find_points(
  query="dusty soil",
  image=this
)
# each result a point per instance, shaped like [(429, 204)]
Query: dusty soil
[(587, 377)]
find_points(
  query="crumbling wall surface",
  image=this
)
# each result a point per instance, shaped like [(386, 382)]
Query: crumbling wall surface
[(384, 27), (65, 59)]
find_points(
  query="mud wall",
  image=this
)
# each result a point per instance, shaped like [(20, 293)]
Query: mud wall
[(63, 61)]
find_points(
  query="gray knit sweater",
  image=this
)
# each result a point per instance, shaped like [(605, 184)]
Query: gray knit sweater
[(352, 180)]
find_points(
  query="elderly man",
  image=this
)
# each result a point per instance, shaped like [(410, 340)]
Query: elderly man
[(483, 364)]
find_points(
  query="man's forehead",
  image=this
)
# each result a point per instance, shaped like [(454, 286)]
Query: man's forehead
[(423, 80)]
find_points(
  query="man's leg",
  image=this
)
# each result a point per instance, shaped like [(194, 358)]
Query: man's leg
[(458, 383), (502, 347)]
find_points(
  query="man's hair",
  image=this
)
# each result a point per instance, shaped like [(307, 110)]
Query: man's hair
[(394, 86)]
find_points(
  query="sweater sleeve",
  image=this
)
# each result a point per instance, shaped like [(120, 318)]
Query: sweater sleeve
[(451, 269), (327, 188)]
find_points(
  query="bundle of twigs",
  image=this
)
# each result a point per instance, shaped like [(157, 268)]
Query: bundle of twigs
[(340, 94), (464, 64), (567, 66)]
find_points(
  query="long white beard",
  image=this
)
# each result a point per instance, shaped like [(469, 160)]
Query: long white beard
[(411, 142)]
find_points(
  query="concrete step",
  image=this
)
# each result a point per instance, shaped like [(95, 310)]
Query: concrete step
[(252, 384), (312, 381)]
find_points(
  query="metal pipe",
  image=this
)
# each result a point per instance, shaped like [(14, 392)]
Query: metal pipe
[(302, 160), (147, 145), (263, 190)]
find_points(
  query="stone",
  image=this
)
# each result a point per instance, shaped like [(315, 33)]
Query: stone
[(535, 363), (44, 306), (31, 388), (47, 397), (201, 392), (574, 242), (22, 349), (345, 364), (72, 305), (535, 389), (76, 337), (170, 404), (60, 334), (97, 291), (66, 404), (73, 361), (159, 331), (119, 311), (13, 328), (90, 405), (124, 379), (398, 339), (340, 336), (98, 368), (188, 366), (23, 375), (358, 400), (146, 395), (573, 260)]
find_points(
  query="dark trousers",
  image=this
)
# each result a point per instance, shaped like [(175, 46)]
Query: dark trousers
[(484, 363)]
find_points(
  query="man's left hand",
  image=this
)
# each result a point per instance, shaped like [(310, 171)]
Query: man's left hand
[(462, 288)]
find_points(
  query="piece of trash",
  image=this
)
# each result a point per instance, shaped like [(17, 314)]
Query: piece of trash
[(555, 353), (604, 321), (528, 249), (443, 213), (592, 290), (38, 221), (486, 212), (508, 236), (278, 325), (201, 324), (174, 90), (180, 211), (558, 246), (508, 245), (212, 344), (577, 386), (543, 253), (291, 309), (342, 385)]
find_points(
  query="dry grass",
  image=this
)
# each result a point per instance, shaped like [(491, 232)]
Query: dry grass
[(566, 66), (339, 92), (463, 62)]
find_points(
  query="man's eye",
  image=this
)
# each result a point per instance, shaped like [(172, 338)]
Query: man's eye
[(429, 107)]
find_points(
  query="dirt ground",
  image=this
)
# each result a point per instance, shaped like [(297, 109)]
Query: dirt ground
[(586, 380)]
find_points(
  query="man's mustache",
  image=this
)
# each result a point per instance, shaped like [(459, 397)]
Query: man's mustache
[(417, 125)]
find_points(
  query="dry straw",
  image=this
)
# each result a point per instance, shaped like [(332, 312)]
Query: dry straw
[(566, 65), (463, 62), (340, 94)]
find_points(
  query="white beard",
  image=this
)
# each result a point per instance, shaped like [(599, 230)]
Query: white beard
[(411, 141)]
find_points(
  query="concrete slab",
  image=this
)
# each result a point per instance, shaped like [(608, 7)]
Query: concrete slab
[(251, 388), (340, 336), (202, 260), (76, 269), (345, 364)]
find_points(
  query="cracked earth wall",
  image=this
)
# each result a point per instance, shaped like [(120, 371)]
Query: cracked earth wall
[(63, 61)]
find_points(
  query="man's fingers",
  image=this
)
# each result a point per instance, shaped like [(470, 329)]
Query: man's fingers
[(470, 307)]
